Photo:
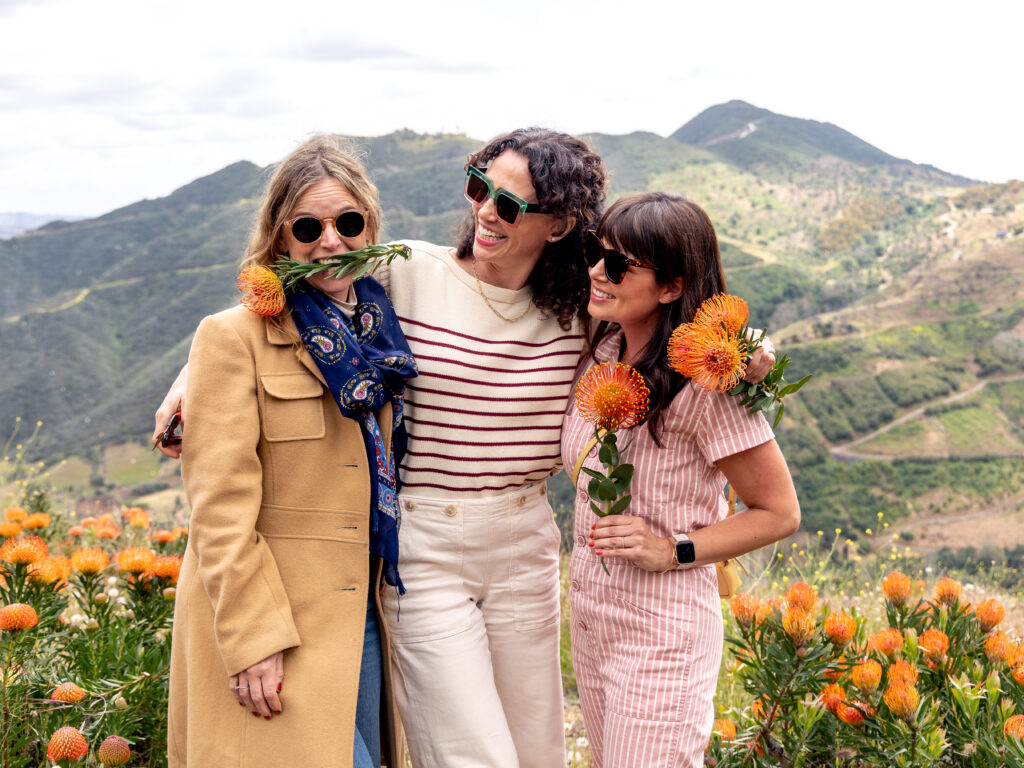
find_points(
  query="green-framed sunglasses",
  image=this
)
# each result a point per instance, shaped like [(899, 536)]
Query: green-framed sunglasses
[(509, 207)]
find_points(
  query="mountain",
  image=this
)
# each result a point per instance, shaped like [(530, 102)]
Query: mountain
[(12, 224), (899, 286), (747, 135)]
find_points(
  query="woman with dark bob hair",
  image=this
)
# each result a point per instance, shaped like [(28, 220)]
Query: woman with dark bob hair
[(498, 326), (647, 635)]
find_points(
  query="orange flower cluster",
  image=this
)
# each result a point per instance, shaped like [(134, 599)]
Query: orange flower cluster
[(92, 560), (38, 520), (902, 700), (113, 751), (802, 595), (15, 514), (166, 567), (1014, 726), (50, 569), (24, 550), (902, 673), (998, 647), (839, 628), (725, 729), (136, 517), (854, 715), (9, 530), (935, 644), (68, 693), (612, 396), (723, 311), (887, 642), (798, 625), (17, 616), (896, 587), (262, 291), (136, 559), (947, 591), (831, 696), (989, 613), (67, 743), (867, 675), (743, 607), (710, 357)]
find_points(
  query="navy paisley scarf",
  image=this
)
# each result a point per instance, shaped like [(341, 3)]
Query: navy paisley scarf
[(365, 362)]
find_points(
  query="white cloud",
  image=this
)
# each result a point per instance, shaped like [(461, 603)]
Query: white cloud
[(111, 101)]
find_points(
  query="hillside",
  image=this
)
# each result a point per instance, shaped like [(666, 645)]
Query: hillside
[(898, 285)]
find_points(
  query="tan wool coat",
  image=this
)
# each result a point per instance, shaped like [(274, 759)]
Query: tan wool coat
[(278, 556)]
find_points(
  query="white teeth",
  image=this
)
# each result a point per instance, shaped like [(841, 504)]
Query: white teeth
[(601, 294), (489, 234)]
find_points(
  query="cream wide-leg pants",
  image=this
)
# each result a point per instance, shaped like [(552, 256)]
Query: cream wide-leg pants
[(475, 637)]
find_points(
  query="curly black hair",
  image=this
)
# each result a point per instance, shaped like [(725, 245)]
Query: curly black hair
[(569, 178)]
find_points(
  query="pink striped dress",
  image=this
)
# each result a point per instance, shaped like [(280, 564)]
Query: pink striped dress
[(646, 646)]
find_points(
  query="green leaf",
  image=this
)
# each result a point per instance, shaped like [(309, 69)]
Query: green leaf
[(607, 491), (619, 506), (778, 416), (592, 472), (795, 386), (605, 454), (597, 510), (623, 472), (594, 485)]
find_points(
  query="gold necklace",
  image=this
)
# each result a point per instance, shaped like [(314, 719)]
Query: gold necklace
[(480, 290)]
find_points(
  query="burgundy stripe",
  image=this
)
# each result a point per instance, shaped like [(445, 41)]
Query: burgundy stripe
[(424, 407), (450, 426), (449, 393), (456, 458), (450, 332), (506, 371), (424, 374), (572, 352), (415, 438), (472, 474), (463, 490)]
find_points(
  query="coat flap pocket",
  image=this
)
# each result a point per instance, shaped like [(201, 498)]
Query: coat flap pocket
[(291, 386), (330, 524)]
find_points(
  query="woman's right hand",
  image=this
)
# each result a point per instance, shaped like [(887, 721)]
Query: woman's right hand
[(173, 402), (259, 686)]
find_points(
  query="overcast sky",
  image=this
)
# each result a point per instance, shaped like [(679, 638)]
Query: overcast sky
[(107, 102)]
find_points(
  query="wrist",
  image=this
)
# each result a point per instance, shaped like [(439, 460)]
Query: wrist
[(669, 561)]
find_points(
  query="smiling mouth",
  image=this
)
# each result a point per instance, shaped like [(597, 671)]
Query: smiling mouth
[(601, 294), (489, 234)]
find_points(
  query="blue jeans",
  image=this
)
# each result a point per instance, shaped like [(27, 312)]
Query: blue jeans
[(367, 740)]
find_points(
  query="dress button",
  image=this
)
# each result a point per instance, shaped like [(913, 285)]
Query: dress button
[(584, 497), (410, 505), (575, 585), (451, 510), (581, 541)]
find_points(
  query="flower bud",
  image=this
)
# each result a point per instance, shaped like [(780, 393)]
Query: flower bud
[(100, 598), (169, 593), (121, 702), (92, 625)]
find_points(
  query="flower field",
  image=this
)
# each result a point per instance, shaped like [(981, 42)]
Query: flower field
[(85, 617)]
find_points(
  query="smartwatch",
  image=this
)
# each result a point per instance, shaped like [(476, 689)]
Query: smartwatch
[(685, 554)]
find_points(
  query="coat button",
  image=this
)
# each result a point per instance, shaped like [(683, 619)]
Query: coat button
[(451, 510), (410, 505)]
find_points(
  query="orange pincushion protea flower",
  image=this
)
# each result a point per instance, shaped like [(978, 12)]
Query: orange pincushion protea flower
[(935, 643), (802, 595), (723, 311), (106, 531), (903, 673), (886, 642), (989, 613), (867, 675), (767, 609), (798, 624), (1018, 673), (113, 751), (68, 693), (76, 531), (612, 396), (712, 358), (136, 517), (38, 520), (162, 536), (89, 522), (15, 514), (761, 707), (1014, 726), (839, 628), (136, 559), (24, 550), (67, 743), (46, 571), (832, 695), (18, 616), (91, 560), (896, 587), (998, 647), (725, 729), (262, 291), (947, 591), (852, 716), (744, 609), (9, 530), (167, 567), (902, 700)]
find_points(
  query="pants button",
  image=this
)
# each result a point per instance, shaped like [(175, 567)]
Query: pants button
[(520, 501), (410, 505), (451, 511)]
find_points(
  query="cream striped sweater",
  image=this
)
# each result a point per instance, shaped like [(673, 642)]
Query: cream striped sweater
[(485, 414)]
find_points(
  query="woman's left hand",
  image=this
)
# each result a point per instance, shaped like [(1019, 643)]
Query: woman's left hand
[(761, 362), (624, 537)]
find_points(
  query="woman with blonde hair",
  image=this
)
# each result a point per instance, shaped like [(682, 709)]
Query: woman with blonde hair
[(279, 654)]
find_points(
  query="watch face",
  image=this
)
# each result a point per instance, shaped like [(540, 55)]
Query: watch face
[(684, 552)]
